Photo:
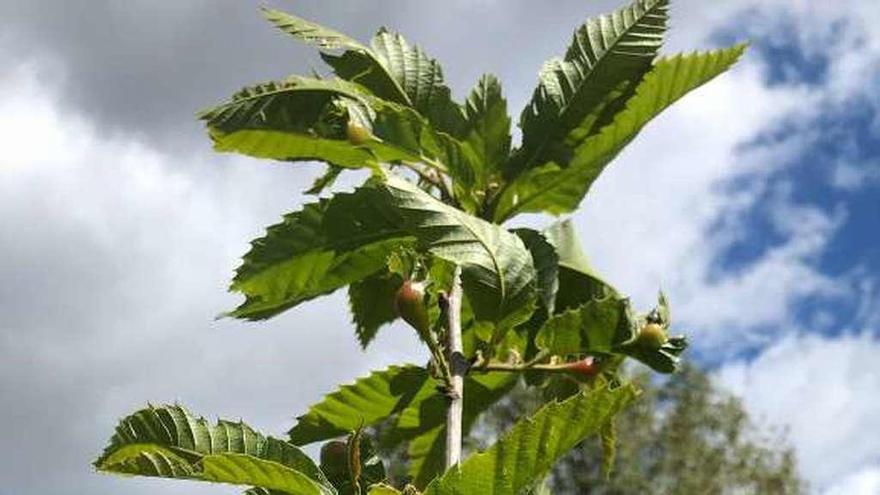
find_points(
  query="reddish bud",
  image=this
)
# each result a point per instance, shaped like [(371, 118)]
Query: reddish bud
[(586, 367), (410, 305)]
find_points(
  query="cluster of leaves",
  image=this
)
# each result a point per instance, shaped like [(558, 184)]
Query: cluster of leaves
[(531, 299)]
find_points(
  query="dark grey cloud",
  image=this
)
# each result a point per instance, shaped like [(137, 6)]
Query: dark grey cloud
[(145, 67)]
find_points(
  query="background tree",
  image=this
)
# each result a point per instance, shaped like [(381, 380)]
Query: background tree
[(683, 435), (422, 240)]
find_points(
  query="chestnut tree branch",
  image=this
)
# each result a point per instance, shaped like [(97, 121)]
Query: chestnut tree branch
[(458, 366)]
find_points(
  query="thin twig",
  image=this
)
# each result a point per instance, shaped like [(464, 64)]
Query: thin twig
[(436, 181), (534, 364), (516, 368)]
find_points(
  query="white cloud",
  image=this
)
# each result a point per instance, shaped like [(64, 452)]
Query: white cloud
[(850, 176), (863, 482), (824, 391), (115, 261)]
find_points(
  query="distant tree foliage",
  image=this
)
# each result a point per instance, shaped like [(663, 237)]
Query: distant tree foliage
[(685, 437)]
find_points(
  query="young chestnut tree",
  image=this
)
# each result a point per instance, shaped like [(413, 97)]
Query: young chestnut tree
[(424, 240)]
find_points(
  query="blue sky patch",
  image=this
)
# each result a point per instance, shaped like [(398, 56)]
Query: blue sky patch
[(837, 173)]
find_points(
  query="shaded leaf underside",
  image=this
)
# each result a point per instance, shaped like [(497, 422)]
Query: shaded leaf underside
[(372, 304)]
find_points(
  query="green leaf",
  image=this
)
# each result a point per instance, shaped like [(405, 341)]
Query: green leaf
[(297, 119), (568, 247), (302, 119), (606, 53), (424, 422), (481, 391), (372, 304), (312, 252), (421, 78), (392, 69), (426, 456), (599, 326), (606, 326), (410, 393), (357, 63), (346, 238), (306, 119), (261, 491), (169, 442), (546, 265), (489, 125), (529, 450), (548, 270), (239, 469), (324, 181), (381, 489), (578, 282), (372, 469), (557, 189), (311, 32), (665, 359), (292, 146), (608, 439), (488, 134), (664, 314), (366, 402), (405, 136)]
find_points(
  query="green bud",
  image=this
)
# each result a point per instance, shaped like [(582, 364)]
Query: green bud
[(652, 335), (356, 134)]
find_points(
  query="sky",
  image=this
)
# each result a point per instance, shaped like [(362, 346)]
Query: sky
[(753, 203)]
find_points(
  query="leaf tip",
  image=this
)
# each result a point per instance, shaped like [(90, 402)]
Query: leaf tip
[(268, 12)]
